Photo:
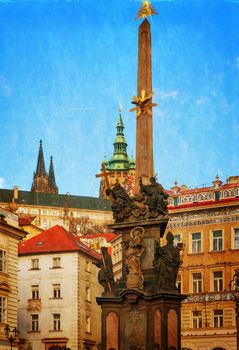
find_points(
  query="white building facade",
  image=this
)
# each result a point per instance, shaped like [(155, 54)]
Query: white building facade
[(57, 293)]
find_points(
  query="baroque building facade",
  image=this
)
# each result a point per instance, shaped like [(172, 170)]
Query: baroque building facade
[(57, 293), (10, 235), (120, 167), (206, 222)]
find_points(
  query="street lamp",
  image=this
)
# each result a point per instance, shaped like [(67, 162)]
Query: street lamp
[(11, 334), (234, 288)]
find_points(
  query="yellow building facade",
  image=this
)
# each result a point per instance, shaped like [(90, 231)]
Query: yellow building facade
[(206, 222), (9, 239)]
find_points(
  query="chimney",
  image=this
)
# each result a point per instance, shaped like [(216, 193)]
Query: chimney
[(15, 193)]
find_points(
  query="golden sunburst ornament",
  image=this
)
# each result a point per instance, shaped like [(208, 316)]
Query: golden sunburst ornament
[(146, 10), (143, 104)]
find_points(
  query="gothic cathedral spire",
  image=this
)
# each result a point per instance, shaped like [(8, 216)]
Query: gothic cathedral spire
[(40, 162), (41, 181), (51, 178)]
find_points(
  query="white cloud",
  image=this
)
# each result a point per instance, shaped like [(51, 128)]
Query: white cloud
[(203, 101), (2, 182), (168, 95)]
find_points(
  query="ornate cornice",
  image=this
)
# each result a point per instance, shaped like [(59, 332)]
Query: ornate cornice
[(203, 217)]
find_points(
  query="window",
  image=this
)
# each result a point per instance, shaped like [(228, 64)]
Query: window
[(44, 224), (217, 281), (87, 293), (22, 210), (56, 322), (34, 211), (179, 282), (56, 291), (55, 213), (56, 262), (35, 323), (236, 238), (196, 242), (197, 319), (177, 239), (217, 240), (35, 292), (2, 310), (35, 264), (197, 282), (87, 266), (218, 318), (3, 260), (217, 196), (44, 212), (88, 324)]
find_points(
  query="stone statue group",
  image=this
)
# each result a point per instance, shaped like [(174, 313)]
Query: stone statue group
[(166, 264), (149, 203)]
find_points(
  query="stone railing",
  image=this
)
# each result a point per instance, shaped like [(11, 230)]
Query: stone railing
[(207, 297)]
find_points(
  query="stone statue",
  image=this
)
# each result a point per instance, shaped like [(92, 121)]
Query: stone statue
[(122, 203), (166, 263), (133, 249), (105, 275), (156, 197)]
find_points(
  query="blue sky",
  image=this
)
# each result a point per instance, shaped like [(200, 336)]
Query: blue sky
[(65, 66)]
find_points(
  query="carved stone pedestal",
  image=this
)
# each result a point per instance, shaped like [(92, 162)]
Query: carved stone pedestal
[(135, 321)]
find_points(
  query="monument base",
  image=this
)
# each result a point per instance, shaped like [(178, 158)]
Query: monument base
[(136, 321)]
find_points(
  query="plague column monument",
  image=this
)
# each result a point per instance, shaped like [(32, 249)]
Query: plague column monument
[(141, 311)]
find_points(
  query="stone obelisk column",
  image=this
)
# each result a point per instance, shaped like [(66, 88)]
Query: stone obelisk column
[(144, 138)]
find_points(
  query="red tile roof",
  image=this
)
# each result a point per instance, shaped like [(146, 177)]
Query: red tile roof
[(55, 239), (24, 221)]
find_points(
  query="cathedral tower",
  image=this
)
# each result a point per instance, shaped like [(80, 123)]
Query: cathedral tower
[(41, 181)]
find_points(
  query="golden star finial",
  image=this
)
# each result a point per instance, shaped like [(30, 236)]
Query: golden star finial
[(146, 10), (143, 104)]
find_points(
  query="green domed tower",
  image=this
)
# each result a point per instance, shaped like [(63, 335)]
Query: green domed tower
[(120, 159), (120, 167)]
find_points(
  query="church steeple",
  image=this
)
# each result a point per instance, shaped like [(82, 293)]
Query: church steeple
[(120, 159), (51, 178), (40, 162)]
